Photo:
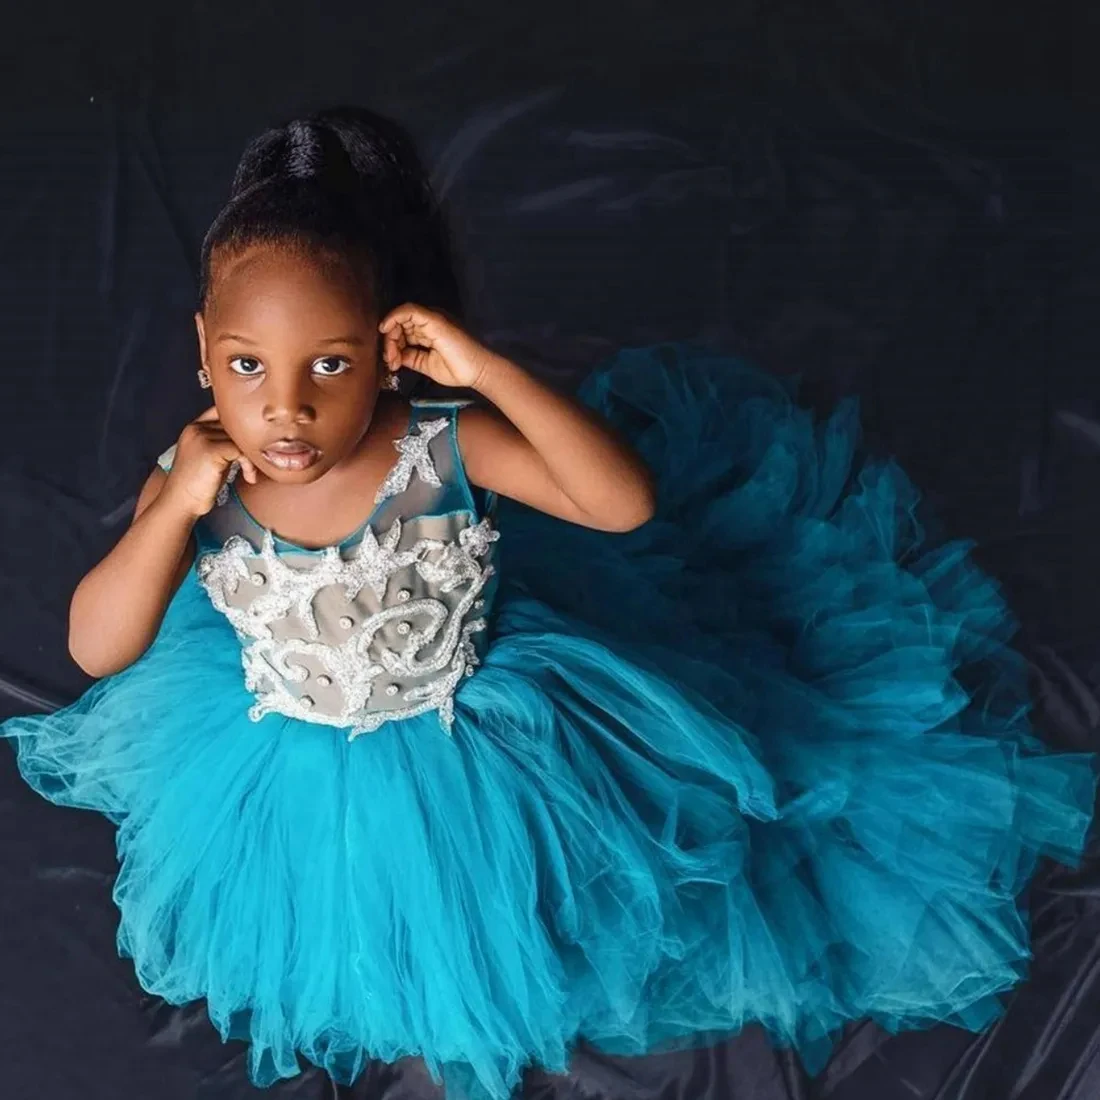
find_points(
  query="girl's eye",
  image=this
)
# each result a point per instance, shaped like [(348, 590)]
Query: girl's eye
[(331, 366), (248, 365)]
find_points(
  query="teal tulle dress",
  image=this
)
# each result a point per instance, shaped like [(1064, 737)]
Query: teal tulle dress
[(476, 785)]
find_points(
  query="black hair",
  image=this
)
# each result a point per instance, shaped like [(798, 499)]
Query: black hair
[(348, 183)]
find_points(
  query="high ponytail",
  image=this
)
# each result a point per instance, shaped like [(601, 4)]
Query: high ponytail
[(346, 182)]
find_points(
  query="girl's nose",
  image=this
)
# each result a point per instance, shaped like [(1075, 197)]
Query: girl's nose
[(288, 405)]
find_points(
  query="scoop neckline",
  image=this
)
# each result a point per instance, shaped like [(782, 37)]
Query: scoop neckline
[(359, 531)]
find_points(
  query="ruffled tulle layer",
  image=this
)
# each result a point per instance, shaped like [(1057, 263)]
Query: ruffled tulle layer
[(765, 759)]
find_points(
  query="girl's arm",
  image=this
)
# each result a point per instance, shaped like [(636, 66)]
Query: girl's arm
[(117, 608), (542, 448)]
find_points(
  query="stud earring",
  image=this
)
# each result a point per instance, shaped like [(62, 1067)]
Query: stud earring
[(390, 381), (204, 378)]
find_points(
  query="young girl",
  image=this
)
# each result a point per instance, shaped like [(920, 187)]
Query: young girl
[(399, 772)]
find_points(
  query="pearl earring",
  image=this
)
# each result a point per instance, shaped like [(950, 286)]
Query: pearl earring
[(204, 378)]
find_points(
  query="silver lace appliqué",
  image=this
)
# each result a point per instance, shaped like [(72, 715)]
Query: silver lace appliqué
[(415, 457), (356, 663)]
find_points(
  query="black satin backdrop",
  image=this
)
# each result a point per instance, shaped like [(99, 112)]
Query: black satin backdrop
[(894, 201)]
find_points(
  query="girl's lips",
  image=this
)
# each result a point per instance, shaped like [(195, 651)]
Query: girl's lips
[(291, 454)]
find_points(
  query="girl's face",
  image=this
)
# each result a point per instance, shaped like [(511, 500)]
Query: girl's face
[(292, 348)]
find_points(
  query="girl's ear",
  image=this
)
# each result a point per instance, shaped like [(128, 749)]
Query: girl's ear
[(202, 337)]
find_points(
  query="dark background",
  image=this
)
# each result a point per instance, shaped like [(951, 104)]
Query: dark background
[(892, 200)]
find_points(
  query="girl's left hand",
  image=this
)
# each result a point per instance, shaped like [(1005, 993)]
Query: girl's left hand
[(427, 342)]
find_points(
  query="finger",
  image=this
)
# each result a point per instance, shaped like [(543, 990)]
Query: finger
[(229, 452), (248, 470), (399, 333), (216, 434), (415, 324), (226, 450), (415, 359), (400, 315), (392, 347)]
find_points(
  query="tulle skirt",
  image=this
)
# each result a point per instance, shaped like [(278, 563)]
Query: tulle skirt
[(766, 758)]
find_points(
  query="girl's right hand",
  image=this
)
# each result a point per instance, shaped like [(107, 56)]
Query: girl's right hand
[(204, 454)]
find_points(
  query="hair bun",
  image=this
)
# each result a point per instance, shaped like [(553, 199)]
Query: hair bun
[(302, 156), (315, 152), (302, 150)]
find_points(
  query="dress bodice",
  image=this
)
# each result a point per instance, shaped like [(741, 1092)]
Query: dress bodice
[(384, 625)]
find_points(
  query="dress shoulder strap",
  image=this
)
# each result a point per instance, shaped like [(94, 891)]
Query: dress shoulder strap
[(480, 501), (430, 477), (165, 460)]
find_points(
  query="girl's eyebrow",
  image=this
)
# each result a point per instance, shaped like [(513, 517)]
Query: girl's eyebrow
[(354, 341)]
